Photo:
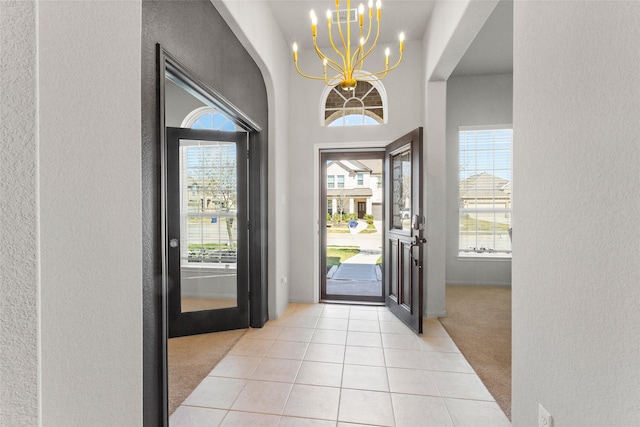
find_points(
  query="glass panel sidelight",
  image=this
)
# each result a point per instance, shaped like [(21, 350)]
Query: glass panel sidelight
[(208, 225), (401, 190)]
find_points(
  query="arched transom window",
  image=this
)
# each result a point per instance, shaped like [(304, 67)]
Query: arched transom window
[(208, 118), (363, 106)]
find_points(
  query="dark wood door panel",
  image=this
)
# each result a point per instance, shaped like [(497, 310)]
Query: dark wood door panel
[(405, 226)]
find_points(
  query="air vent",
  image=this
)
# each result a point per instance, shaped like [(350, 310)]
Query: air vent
[(353, 14)]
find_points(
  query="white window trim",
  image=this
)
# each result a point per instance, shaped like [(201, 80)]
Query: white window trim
[(375, 83), (475, 256)]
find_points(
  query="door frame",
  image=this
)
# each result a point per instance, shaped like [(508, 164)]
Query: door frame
[(155, 335), (349, 154), (317, 148)]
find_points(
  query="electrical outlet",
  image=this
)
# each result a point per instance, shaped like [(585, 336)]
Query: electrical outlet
[(544, 417)]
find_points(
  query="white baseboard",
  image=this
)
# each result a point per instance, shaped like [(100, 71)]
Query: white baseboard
[(499, 285), (434, 314)]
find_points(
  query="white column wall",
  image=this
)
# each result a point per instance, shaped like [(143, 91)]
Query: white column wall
[(576, 322), (89, 67), (451, 28), (435, 167), (253, 23)]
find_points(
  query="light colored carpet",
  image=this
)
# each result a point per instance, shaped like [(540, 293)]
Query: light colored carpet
[(192, 358), (479, 322)]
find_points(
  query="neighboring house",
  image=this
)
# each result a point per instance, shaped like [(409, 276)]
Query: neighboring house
[(354, 187), (485, 214), (485, 191)]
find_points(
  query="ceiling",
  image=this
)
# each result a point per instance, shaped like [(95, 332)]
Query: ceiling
[(490, 53), (397, 16), (492, 50)]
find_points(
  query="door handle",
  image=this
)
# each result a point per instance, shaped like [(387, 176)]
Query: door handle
[(173, 243), (417, 240)]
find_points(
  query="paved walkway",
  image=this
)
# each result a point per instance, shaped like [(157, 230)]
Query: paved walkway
[(358, 275)]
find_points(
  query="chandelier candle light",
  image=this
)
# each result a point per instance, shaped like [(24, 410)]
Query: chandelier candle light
[(349, 65)]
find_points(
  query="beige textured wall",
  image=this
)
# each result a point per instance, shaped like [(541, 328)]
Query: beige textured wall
[(89, 58), (19, 266), (576, 321), (70, 244)]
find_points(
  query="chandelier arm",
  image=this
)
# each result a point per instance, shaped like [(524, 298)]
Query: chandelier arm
[(358, 52), (344, 43), (373, 76), (331, 81), (361, 61), (306, 75), (358, 58), (397, 63), (366, 40), (344, 61), (338, 70), (330, 62)]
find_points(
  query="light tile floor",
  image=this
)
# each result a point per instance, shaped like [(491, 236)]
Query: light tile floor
[(341, 366)]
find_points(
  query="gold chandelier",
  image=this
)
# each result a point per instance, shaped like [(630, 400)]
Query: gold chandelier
[(349, 65)]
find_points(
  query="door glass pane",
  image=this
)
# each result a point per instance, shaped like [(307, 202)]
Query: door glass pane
[(401, 190), (208, 221)]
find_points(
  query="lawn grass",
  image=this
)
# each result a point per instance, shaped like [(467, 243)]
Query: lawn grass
[(200, 246), (343, 227), (346, 230), (469, 224), (336, 255)]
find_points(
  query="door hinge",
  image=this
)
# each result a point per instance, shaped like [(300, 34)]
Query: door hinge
[(248, 225)]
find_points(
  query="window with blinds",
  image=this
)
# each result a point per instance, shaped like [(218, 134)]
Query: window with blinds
[(485, 190), (208, 192)]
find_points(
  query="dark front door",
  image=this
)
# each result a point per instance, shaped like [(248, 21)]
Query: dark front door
[(404, 232), (362, 209), (207, 260)]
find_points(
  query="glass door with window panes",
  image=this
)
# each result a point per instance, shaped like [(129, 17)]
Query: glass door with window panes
[(207, 230)]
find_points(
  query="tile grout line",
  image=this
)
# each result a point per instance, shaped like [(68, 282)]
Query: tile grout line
[(386, 371), (344, 357)]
